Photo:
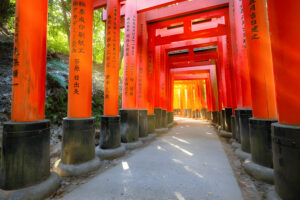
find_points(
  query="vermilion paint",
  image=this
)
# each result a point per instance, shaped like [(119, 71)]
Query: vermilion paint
[(81, 60), (260, 59), (284, 31), (29, 66), (130, 56)]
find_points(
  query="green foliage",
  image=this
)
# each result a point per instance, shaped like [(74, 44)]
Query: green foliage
[(57, 39), (56, 94)]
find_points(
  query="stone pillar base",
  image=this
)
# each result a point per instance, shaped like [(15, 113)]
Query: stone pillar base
[(242, 155), (161, 130), (164, 118), (36, 192), (25, 155), (133, 145), (158, 118), (78, 169), (109, 154), (78, 148), (259, 172), (237, 125), (245, 114), (129, 126), (286, 151), (261, 142), (225, 134), (110, 132), (150, 137), (151, 123), (227, 115), (233, 127), (143, 123)]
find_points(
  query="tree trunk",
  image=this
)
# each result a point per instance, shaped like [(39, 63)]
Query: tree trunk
[(67, 26)]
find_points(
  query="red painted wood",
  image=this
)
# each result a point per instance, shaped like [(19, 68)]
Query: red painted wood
[(284, 30), (29, 61), (81, 60), (112, 51), (130, 57), (260, 59), (142, 64)]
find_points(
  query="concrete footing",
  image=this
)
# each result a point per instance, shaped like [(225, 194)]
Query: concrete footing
[(259, 172), (161, 130), (272, 195), (133, 145), (225, 134), (170, 125), (242, 155), (65, 170), (235, 145), (109, 154), (36, 192), (150, 137)]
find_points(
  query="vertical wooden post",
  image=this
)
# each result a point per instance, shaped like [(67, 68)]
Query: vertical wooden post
[(112, 51), (130, 56), (29, 62), (284, 31), (81, 60)]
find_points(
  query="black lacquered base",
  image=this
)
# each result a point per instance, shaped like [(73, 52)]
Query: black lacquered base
[(260, 141), (286, 154), (170, 117), (189, 113), (204, 113), (184, 113), (110, 137), (164, 118), (223, 119), (25, 155), (78, 145), (215, 117), (158, 118), (219, 118), (209, 115), (233, 126), (143, 123), (151, 123), (237, 125), (245, 114), (228, 113), (129, 125)]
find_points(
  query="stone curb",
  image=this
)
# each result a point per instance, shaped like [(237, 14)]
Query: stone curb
[(36, 192), (241, 154), (133, 145), (77, 170), (259, 172), (150, 137), (109, 154)]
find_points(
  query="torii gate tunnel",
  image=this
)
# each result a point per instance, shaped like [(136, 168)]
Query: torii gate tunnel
[(233, 62)]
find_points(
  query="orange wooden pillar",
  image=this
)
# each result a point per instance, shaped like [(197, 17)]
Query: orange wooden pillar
[(163, 87), (284, 31), (78, 128), (110, 139), (142, 75), (129, 112), (244, 106), (182, 100), (262, 81), (26, 138), (151, 83), (156, 84)]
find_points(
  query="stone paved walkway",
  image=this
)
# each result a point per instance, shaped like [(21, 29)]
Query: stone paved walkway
[(187, 163)]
